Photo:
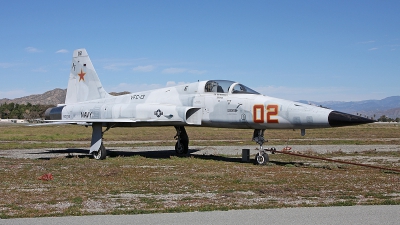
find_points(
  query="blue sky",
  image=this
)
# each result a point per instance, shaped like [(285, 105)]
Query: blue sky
[(296, 50)]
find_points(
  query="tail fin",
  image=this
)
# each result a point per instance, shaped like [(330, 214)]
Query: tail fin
[(83, 84)]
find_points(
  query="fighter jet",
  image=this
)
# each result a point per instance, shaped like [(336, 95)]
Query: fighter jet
[(211, 103)]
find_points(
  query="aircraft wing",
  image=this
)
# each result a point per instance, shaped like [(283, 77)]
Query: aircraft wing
[(153, 114)]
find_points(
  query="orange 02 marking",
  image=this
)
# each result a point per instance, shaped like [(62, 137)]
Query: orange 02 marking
[(258, 113), (272, 110)]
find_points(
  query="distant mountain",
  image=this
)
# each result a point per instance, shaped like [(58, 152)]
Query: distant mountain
[(53, 97), (389, 107)]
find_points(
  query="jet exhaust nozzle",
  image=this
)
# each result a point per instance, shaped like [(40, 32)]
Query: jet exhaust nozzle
[(53, 113)]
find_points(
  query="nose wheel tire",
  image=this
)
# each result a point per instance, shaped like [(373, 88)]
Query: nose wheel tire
[(101, 153), (262, 158)]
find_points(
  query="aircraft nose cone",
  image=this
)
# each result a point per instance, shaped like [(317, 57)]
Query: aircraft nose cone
[(339, 119)]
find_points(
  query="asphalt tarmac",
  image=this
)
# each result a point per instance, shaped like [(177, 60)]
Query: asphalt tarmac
[(317, 215)]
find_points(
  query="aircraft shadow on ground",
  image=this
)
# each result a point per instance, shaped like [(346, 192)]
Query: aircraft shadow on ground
[(163, 154), (158, 154), (70, 153)]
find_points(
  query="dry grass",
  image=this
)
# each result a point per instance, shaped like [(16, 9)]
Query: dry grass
[(144, 184), (138, 184)]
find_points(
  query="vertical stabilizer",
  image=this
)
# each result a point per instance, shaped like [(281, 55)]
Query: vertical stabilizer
[(83, 84)]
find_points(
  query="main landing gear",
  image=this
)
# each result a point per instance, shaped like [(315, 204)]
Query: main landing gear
[(262, 157), (97, 148), (182, 141)]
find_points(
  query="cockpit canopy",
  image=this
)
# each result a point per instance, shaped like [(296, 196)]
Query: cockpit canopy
[(226, 86)]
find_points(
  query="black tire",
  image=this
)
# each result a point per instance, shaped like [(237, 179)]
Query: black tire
[(182, 148), (262, 159), (101, 153)]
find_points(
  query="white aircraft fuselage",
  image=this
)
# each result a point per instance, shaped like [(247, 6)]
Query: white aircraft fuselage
[(189, 104)]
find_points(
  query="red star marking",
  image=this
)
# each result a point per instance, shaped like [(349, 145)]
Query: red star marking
[(81, 75)]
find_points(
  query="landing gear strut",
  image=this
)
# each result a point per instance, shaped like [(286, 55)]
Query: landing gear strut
[(182, 141), (262, 157), (97, 148)]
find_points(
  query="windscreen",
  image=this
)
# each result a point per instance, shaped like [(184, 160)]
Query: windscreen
[(241, 89)]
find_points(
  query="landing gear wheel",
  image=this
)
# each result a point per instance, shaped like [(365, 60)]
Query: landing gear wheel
[(181, 148), (101, 153), (262, 158), (182, 141)]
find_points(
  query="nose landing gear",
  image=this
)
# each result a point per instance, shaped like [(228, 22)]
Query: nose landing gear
[(262, 157)]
